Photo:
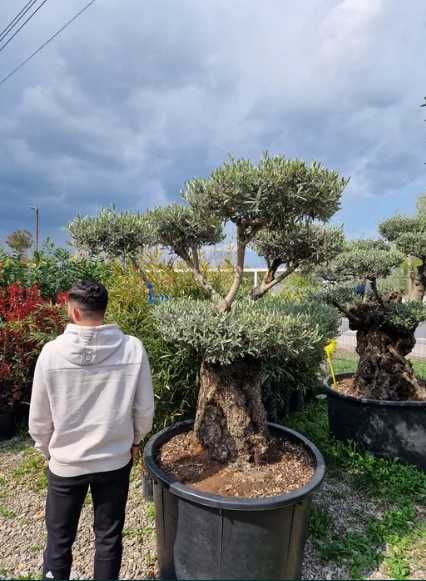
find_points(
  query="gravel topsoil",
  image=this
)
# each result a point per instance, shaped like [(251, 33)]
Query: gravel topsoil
[(346, 387), (290, 468), (22, 530)]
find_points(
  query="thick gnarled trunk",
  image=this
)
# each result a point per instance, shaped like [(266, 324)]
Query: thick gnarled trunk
[(231, 419), (383, 371), (418, 283)]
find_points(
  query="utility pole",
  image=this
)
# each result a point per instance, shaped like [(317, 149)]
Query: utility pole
[(37, 226)]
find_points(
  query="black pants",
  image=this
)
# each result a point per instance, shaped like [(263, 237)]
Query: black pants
[(65, 497)]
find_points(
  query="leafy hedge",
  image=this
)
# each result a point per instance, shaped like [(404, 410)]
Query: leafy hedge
[(175, 374), (52, 270), (175, 369)]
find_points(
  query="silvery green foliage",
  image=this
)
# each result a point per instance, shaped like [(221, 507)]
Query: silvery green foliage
[(393, 314), (179, 228), (268, 330), (366, 259), (339, 294), (110, 233), (408, 234), (299, 244), (266, 195), (406, 315)]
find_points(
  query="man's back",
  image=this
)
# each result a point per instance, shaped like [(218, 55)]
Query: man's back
[(95, 383), (91, 405)]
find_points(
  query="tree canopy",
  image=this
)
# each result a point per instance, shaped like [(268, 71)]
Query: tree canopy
[(298, 246), (269, 330), (112, 234), (20, 241), (366, 259), (272, 204), (407, 233)]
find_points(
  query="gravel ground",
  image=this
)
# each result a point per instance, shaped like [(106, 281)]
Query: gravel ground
[(22, 533), (22, 530)]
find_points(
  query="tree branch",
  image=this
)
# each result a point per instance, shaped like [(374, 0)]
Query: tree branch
[(138, 269), (270, 275), (194, 266), (226, 303), (376, 293), (268, 282), (345, 312)]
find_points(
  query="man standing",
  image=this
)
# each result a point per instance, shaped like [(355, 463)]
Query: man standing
[(92, 403)]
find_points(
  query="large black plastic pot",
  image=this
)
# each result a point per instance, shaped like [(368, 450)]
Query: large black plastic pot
[(205, 536), (7, 424), (391, 429)]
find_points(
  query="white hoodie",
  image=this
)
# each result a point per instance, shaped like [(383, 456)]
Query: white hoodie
[(92, 398)]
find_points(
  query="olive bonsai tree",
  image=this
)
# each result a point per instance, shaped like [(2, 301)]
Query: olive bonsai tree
[(110, 234), (277, 206), (409, 236), (385, 326)]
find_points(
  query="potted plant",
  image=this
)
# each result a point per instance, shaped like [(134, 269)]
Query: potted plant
[(232, 493), (382, 406)]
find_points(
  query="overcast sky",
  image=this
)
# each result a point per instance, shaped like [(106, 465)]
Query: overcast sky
[(139, 95)]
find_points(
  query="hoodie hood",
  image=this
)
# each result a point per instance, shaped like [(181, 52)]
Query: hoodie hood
[(90, 345)]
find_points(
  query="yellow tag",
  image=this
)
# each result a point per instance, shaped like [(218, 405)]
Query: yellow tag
[(329, 349)]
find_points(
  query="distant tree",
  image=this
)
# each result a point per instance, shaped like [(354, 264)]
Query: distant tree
[(20, 241), (421, 205), (409, 236)]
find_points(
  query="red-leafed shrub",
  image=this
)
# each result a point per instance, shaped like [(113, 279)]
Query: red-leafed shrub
[(27, 321), (62, 298), (18, 302)]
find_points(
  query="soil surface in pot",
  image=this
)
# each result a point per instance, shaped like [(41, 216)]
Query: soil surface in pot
[(346, 387), (290, 467)]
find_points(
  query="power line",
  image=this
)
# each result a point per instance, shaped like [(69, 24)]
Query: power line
[(40, 48), (3, 46), (16, 19)]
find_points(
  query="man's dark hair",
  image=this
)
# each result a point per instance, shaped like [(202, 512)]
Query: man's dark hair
[(90, 296)]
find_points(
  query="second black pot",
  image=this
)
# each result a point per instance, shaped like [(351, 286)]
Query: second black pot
[(206, 536), (392, 429)]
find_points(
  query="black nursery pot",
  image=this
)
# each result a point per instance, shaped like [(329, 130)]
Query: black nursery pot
[(390, 429), (206, 536), (7, 424)]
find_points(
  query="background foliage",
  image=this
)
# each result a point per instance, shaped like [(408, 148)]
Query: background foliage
[(52, 270)]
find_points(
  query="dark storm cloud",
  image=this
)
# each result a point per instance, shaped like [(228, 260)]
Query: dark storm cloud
[(137, 97)]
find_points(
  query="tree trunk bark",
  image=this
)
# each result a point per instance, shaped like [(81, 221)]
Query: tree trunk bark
[(231, 419), (383, 371), (419, 283)]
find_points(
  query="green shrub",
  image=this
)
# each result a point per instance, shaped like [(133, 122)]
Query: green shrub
[(52, 270), (298, 287), (175, 374), (173, 278)]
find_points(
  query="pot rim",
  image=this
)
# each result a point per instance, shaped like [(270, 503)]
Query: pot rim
[(364, 400), (229, 502)]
